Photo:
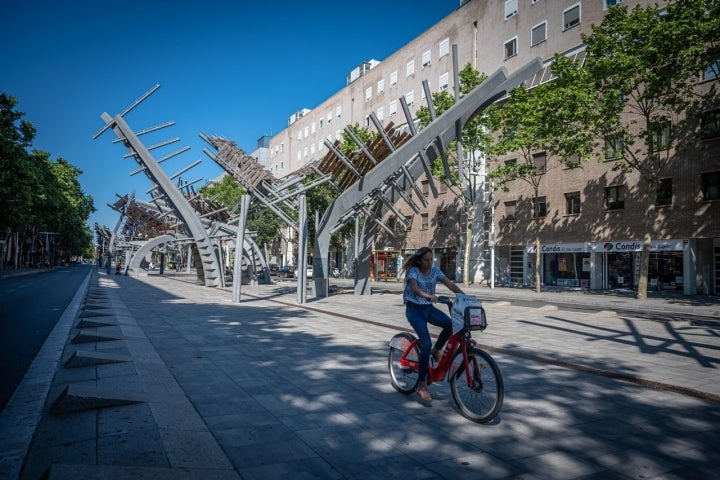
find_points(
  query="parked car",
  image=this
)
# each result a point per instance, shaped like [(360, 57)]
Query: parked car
[(287, 271), (274, 269), (309, 272)]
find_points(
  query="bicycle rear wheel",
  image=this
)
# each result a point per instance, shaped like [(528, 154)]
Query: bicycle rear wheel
[(482, 400), (403, 379)]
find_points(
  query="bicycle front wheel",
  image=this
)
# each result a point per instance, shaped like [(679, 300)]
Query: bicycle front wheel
[(404, 379), (481, 399)]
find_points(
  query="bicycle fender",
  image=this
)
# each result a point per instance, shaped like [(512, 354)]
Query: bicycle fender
[(401, 341)]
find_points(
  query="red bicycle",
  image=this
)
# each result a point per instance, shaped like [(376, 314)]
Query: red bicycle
[(475, 379)]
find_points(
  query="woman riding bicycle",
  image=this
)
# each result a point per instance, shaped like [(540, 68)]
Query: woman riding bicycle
[(419, 295)]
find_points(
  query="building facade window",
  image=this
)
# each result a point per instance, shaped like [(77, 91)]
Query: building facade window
[(368, 94), (711, 186), (538, 34), (410, 68), (710, 124), (426, 59), (613, 148), (511, 8), (444, 48), (572, 203), (571, 17), (380, 86), (573, 161), (510, 49), (713, 70), (410, 98), (393, 78), (425, 188), (610, 3), (393, 107), (380, 114), (540, 207), (660, 137), (664, 192), (424, 221), (615, 198), (540, 162), (444, 82), (510, 210), (442, 218)]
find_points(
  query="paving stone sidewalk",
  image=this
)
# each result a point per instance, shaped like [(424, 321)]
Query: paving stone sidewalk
[(198, 387)]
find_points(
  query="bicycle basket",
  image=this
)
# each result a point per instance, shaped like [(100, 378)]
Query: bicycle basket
[(475, 318), (467, 313)]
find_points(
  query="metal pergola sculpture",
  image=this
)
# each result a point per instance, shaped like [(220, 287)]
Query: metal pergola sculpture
[(166, 195), (286, 198), (374, 178), (147, 225)]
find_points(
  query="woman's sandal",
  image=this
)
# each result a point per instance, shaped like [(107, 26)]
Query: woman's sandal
[(423, 393), (435, 353)]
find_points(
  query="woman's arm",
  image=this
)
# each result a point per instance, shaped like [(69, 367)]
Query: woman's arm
[(420, 292)]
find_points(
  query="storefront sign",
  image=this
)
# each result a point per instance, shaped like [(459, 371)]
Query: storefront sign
[(655, 246), (559, 248)]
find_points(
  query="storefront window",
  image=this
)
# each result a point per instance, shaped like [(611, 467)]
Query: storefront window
[(665, 270), (567, 269), (446, 260), (620, 270), (384, 264)]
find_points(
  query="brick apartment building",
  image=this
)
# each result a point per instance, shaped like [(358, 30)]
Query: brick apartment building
[(593, 218)]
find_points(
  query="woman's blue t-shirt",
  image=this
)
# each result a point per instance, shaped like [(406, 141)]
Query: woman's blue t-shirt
[(426, 283)]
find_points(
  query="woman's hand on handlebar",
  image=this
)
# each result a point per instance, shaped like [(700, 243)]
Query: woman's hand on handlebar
[(443, 299)]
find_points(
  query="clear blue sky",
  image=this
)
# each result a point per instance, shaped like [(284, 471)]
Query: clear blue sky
[(232, 68)]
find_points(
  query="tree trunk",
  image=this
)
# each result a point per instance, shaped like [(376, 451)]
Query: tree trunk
[(647, 241), (468, 249), (536, 214), (537, 264)]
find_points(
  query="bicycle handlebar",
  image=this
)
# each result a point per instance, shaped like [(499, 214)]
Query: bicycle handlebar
[(445, 299)]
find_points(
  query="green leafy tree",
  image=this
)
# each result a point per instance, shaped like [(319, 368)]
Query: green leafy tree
[(263, 221), (546, 127), (18, 172), (645, 64), (474, 141), (226, 192), (68, 206), (37, 194)]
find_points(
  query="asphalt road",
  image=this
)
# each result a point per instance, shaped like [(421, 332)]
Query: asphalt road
[(30, 306)]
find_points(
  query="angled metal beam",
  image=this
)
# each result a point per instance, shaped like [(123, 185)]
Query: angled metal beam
[(423, 157), (342, 158), (494, 87)]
